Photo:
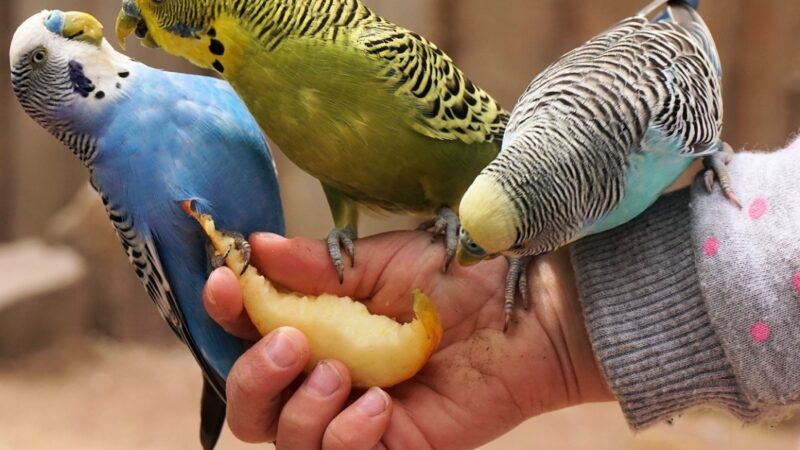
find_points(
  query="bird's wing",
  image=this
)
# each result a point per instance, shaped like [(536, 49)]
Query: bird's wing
[(142, 250), (449, 105), (143, 256), (660, 72)]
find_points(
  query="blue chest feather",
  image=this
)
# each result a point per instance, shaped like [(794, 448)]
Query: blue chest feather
[(651, 170)]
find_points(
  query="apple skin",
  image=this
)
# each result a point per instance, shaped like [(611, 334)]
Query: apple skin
[(377, 350)]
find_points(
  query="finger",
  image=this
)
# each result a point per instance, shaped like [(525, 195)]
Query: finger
[(309, 411), (257, 381), (222, 298), (288, 261), (361, 425)]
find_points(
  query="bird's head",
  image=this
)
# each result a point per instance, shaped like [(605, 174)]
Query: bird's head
[(489, 222), (182, 28), (60, 60)]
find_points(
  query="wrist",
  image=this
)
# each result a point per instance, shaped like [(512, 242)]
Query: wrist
[(648, 322), (554, 300)]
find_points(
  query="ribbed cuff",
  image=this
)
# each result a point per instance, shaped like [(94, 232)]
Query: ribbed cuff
[(647, 319)]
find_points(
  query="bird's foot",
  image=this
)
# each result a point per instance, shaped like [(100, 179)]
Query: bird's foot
[(445, 224), (516, 281), (338, 238), (716, 166), (240, 244)]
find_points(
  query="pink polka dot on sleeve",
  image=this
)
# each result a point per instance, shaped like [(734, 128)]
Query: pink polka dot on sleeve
[(711, 247), (758, 208), (760, 332), (796, 282)]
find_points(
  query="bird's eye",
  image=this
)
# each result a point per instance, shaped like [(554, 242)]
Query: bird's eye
[(471, 245), (39, 56)]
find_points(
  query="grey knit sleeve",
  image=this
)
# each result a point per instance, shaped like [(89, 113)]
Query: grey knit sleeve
[(696, 302)]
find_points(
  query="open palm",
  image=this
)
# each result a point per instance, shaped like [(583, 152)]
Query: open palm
[(478, 385)]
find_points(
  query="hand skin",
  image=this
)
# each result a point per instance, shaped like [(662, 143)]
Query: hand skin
[(480, 384)]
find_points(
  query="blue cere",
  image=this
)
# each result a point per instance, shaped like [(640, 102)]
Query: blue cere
[(55, 21)]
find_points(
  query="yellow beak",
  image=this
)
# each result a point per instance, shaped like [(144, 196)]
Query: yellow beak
[(125, 26), (465, 258), (148, 41), (79, 26), (129, 20)]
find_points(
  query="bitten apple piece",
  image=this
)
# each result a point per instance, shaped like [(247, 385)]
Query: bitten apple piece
[(378, 350)]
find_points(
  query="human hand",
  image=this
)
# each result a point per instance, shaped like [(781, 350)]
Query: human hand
[(477, 386)]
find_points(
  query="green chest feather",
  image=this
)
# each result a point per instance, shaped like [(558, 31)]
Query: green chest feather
[(332, 109)]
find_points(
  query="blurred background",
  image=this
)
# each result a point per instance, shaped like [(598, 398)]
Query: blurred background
[(85, 360)]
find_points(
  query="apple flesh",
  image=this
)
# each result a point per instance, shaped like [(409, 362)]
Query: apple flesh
[(377, 350)]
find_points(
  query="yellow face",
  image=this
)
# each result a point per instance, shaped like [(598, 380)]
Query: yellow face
[(184, 28), (488, 222)]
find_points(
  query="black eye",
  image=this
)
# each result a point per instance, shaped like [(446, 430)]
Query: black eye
[(39, 56), (472, 246)]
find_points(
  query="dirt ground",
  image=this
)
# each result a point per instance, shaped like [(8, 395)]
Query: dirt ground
[(102, 395)]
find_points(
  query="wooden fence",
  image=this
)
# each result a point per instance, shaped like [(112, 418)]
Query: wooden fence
[(501, 44)]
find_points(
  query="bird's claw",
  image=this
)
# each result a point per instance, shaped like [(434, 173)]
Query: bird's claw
[(337, 238), (240, 244), (516, 281), (427, 225), (215, 260), (445, 224), (716, 170)]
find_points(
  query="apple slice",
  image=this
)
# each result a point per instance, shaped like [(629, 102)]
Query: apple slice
[(377, 350)]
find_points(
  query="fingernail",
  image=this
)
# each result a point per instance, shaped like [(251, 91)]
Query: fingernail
[(281, 350), (380, 446), (373, 403), (210, 296), (268, 236), (210, 290), (324, 380)]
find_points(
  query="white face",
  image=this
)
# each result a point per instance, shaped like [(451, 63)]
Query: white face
[(50, 71)]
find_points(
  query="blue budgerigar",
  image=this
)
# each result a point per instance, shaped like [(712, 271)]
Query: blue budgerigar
[(152, 140), (598, 136)]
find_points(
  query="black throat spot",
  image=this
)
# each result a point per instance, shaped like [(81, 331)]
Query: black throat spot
[(216, 47), (80, 82)]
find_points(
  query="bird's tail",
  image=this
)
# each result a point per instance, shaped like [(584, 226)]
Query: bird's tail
[(694, 4), (212, 416), (684, 14), (657, 4)]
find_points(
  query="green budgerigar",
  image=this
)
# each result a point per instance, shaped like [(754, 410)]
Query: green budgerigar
[(381, 116)]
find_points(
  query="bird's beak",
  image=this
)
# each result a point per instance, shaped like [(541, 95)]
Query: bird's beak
[(128, 21), (466, 258), (76, 26)]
